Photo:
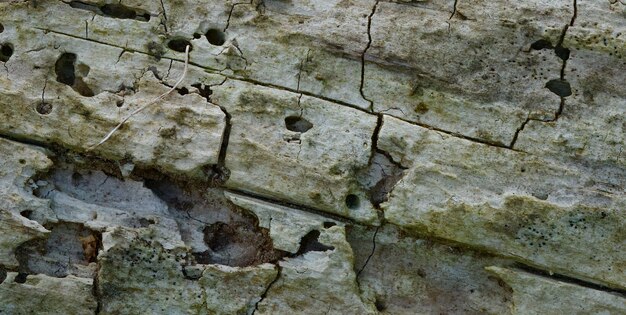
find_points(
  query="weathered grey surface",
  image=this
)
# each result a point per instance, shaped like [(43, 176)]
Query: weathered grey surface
[(511, 203), (18, 164), (471, 73), (327, 275), (538, 295), (592, 127), (339, 156), (235, 290), (314, 166), (138, 275), (41, 294), (286, 226), (408, 276)]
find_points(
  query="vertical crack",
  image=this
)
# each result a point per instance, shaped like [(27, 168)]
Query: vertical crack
[(43, 91), (371, 253), (230, 13), (571, 23), (264, 295), (169, 68), (299, 104), (119, 57), (563, 53), (96, 291), (367, 47), (518, 130), (453, 10), (302, 62), (219, 173), (164, 21), (565, 56), (559, 47), (379, 125)]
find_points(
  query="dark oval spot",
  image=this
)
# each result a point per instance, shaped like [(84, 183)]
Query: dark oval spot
[(562, 52), (328, 225), (541, 44), (20, 278), (113, 10), (182, 91), (26, 213), (297, 124), (215, 37), (156, 50), (352, 201), (380, 305), (64, 68), (118, 11), (197, 35), (143, 222), (6, 51), (1, 28), (559, 87), (44, 108), (179, 44)]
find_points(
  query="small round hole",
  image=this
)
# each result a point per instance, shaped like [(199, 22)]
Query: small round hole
[(6, 51), (119, 103), (215, 37), (26, 213), (297, 124), (179, 44), (44, 108), (197, 35), (20, 278), (182, 91), (352, 201)]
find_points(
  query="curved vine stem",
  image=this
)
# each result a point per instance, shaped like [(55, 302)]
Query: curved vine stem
[(136, 111)]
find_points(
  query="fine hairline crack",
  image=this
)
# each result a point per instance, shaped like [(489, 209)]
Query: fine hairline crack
[(230, 13), (164, 21), (371, 253), (367, 47), (267, 289), (270, 85), (569, 278), (559, 110)]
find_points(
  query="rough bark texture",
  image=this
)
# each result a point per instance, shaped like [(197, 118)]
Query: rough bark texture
[(319, 157)]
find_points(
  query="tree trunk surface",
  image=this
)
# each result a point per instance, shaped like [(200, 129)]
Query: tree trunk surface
[(313, 157)]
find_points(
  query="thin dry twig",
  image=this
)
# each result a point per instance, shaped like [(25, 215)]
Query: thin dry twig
[(160, 97)]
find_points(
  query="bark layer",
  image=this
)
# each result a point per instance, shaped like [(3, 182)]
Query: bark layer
[(340, 156)]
